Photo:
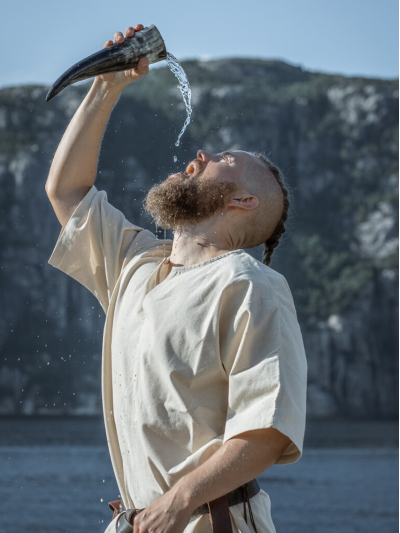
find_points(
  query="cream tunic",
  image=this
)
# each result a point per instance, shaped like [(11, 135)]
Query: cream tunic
[(189, 361)]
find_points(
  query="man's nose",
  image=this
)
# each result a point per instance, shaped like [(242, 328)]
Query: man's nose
[(204, 156)]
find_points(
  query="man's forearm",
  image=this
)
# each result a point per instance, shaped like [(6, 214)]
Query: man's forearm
[(74, 164), (238, 461)]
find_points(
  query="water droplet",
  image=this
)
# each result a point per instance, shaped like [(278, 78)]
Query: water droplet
[(175, 159)]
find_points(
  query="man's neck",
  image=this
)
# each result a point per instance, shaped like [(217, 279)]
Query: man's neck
[(189, 249)]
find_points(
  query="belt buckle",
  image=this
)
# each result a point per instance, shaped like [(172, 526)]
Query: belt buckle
[(123, 526), (126, 525)]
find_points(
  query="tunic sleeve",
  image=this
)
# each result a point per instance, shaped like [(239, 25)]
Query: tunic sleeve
[(265, 361), (92, 246)]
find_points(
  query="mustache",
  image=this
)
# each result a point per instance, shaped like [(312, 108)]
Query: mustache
[(199, 166)]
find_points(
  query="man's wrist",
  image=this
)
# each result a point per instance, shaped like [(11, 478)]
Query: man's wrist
[(105, 90), (185, 494)]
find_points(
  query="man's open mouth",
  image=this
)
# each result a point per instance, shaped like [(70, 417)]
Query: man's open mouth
[(189, 171)]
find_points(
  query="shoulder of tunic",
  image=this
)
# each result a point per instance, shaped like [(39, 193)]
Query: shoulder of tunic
[(243, 270)]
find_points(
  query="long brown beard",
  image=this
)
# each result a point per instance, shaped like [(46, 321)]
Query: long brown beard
[(186, 201)]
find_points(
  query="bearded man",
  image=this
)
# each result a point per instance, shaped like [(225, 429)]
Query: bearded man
[(203, 367)]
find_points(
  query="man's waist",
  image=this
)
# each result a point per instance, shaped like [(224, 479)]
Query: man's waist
[(234, 497)]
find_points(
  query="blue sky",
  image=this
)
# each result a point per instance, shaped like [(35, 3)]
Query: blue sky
[(41, 39)]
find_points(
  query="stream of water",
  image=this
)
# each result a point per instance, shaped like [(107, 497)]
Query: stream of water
[(176, 68)]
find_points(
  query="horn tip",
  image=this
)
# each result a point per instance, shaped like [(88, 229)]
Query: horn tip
[(50, 95)]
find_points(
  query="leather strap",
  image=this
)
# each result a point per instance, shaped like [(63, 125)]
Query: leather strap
[(234, 497), (219, 515), (115, 506)]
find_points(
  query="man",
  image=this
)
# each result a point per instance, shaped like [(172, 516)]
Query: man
[(204, 369)]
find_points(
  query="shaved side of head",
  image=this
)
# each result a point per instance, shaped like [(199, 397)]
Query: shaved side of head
[(259, 181)]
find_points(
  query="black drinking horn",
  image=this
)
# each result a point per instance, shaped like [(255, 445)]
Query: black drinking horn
[(145, 43)]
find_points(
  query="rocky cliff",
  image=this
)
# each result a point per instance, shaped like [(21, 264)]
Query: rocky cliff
[(336, 140)]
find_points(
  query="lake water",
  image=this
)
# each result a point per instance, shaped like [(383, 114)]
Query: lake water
[(48, 486)]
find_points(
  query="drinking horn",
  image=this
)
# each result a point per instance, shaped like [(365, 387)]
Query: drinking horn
[(119, 56)]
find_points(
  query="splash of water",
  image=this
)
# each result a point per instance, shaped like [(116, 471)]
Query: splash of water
[(176, 68)]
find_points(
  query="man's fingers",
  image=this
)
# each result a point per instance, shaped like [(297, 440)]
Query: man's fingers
[(118, 37), (129, 32), (107, 44)]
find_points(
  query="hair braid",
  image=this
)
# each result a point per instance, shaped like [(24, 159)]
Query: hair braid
[(273, 241)]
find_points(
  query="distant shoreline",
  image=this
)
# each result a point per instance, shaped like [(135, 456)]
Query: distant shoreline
[(88, 430)]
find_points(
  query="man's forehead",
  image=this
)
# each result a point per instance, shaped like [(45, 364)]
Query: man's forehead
[(234, 152), (246, 157)]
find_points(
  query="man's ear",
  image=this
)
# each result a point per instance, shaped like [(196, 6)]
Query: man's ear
[(245, 202)]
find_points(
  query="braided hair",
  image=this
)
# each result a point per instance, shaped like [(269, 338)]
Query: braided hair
[(273, 241)]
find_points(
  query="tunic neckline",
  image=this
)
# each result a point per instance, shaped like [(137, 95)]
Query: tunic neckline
[(205, 262), (178, 269), (156, 281)]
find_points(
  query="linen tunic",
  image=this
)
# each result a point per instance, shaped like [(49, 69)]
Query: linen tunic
[(189, 361)]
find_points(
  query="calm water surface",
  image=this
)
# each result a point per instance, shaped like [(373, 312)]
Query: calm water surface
[(61, 488)]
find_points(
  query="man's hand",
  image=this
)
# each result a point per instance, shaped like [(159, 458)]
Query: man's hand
[(169, 514), (125, 77)]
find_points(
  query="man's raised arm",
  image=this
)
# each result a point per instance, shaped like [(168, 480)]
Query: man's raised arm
[(73, 169)]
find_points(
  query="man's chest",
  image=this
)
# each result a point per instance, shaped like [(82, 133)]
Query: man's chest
[(165, 347), (173, 325)]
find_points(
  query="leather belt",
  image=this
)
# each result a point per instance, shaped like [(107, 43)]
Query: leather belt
[(218, 509), (234, 497)]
